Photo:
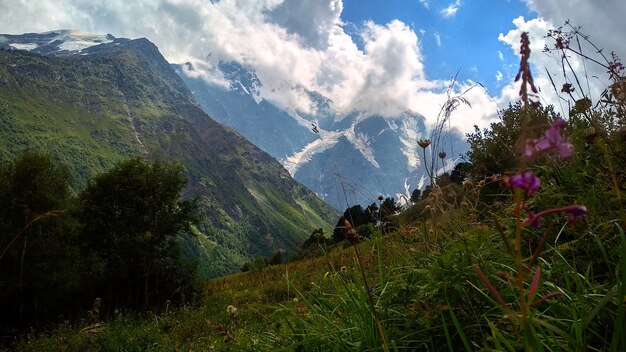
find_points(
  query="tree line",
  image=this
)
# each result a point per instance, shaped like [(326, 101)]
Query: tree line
[(116, 241)]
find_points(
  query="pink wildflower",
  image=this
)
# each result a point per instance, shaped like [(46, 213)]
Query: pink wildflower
[(526, 181), (552, 140)]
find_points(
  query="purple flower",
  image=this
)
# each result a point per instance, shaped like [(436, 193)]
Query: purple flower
[(552, 140), (526, 181), (573, 212)]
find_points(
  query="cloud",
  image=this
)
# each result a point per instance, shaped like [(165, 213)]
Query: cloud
[(536, 29), (263, 34), (602, 20), (499, 76), (451, 10), (424, 3), (547, 68), (483, 110), (313, 20), (437, 38), (292, 46), (385, 76)]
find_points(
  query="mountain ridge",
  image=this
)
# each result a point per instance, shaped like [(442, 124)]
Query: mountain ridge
[(123, 99)]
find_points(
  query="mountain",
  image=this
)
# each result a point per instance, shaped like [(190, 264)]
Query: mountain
[(56, 43), (240, 106), (352, 160), (92, 101)]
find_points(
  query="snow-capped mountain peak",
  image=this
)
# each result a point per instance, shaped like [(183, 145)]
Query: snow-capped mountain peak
[(58, 43), (358, 155), (362, 143)]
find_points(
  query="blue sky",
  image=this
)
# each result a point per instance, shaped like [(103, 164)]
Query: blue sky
[(467, 41)]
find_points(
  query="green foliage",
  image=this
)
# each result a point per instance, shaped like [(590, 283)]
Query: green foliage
[(118, 241), (41, 265), (357, 216), (336, 320), (388, 208), (131, 218), (31, 185), (259, 263), (429, 299), (460, 173), (497, 150), (365, 230), (90, 112), (415, 195), (276, 258)]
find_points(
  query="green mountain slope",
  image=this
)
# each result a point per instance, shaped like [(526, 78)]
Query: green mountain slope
[(123, 99)]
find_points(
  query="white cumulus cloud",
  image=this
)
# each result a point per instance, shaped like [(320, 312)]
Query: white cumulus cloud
[(292, 45), (602, 20), (548, 67)]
